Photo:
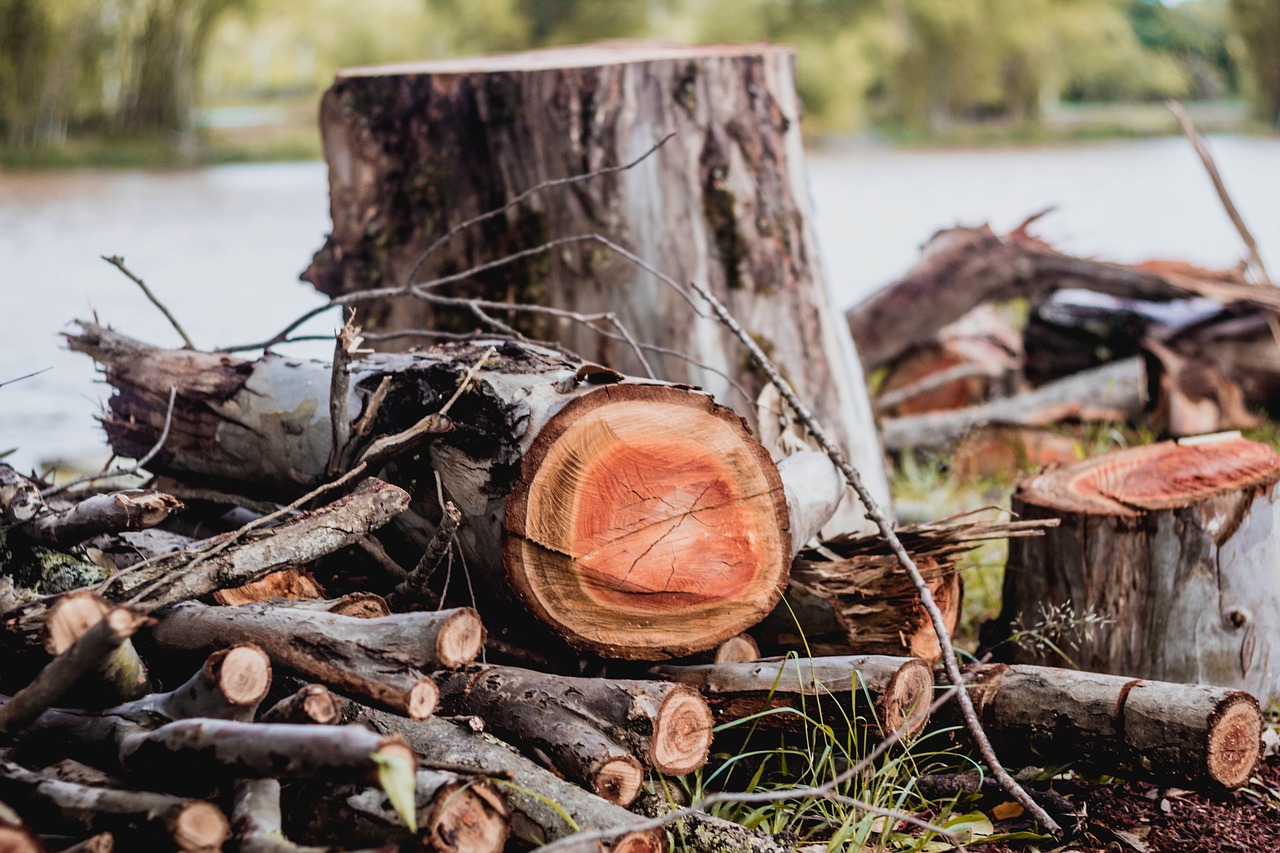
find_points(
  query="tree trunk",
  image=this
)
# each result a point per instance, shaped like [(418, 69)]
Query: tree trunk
[(1174, 734), (1166, 565), (414, 150), (635, 519)]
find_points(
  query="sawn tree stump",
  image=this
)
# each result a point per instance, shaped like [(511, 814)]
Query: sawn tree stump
[(1166, 565), (416, 149)]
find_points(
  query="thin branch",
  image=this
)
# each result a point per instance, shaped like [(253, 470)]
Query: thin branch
[(1202, 149), (26, 376), (133, 469), (413, 587), (874, 513), (118, 262)]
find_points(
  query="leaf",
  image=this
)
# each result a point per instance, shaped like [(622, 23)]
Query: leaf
[(395, 776), (1004, 811)]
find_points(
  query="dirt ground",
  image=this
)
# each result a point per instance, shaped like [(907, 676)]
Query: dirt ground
[(1137, 817)]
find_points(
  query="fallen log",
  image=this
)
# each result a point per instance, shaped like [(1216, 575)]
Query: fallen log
[(291, 583), (16, 838), (722, 201), (634, 519), (1183, 735), (103, 842), (961, 268), (156, 821), (455, 814), (256, 820), (380, 660), (878, 692), (27, 515), (1113, 392), (543, 803), (598, 732), (1164, 566), (218, 565)]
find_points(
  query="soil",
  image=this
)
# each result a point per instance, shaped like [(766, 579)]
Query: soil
[(1134, 816)]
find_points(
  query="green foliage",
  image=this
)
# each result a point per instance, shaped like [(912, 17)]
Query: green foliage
[(1258, 24)]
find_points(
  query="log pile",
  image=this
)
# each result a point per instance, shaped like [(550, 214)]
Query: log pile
[(1162, 344)]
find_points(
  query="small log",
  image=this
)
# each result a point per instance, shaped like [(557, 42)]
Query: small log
[(153, 821), (739, 649), (122, 676), (103, 842), (84, 655), (590, 727), (312, 703), (380, 660), (455, 814), (16, 838), (1115, 391), (180, 577), (230, 686), (836, 690), (539, 799), (1181, 735), (1166, 565), (290, 583), (545, 468)]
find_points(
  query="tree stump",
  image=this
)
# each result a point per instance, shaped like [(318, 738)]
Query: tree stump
[(1166, 565), (416, 149)]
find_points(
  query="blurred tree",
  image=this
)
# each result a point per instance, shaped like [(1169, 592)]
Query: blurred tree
[(1258, 23), (1196, 35)]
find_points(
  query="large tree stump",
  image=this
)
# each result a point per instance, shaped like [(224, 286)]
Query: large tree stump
[(413, 150), (1166, 565), (634, 518)]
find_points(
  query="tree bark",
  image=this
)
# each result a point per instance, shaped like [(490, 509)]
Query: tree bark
[(1174, 734), (835, 690), (594, 729), (414, 150), (1166, 565), (380, 660), (162, 820), (635, 519), (532, 791), (122, 675), (700, 832), (312, 703)]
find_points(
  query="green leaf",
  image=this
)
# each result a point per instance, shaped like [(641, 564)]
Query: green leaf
[(395, 775)]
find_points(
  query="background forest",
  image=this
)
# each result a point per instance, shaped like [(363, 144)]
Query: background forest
[(197, 78)]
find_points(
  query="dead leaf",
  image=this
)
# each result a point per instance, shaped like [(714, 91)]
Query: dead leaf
[(1008, 810)]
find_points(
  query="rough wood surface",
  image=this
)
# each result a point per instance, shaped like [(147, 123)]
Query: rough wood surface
[(311, 703), (879, 691), (1175, 734), (533, 790), (381, 660), (290, 583), (122, 675), (416, 149), (1166, 565)]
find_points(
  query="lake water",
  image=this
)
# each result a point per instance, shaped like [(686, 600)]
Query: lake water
[(223, 246)]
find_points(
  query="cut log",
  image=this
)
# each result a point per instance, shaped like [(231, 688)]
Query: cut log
[(379, 660), (880, 692), (455, 814), (590, 727), (1113, 392), (122, 676), (636, 519), (291, 583), (416, 149), (103, 842), (541, 801), (1166, 565), (358, 605), (312, 703), (739, 649), (1174, 734), (16, 838), (153, 821)]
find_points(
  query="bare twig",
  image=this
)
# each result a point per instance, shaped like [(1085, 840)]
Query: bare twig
[(346, 344), (132, 469), (25, 376), (412, 587), (874, 513), (1202, 149), (118, 262)]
